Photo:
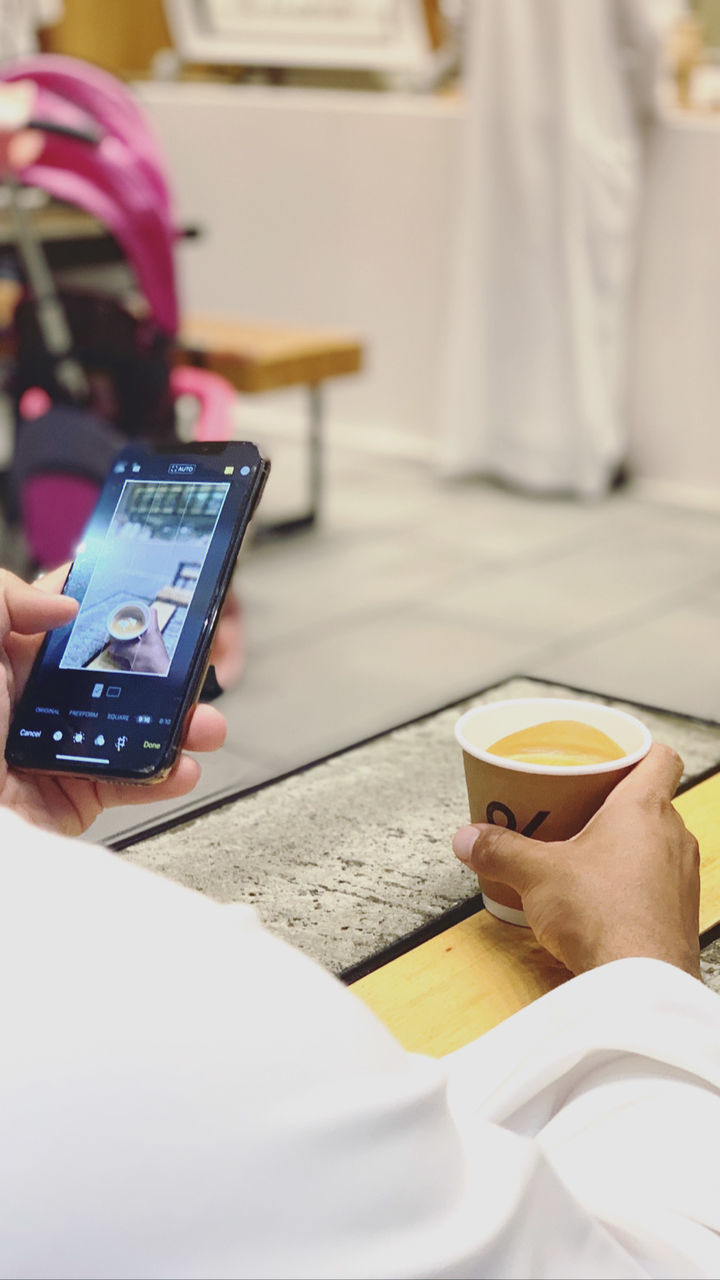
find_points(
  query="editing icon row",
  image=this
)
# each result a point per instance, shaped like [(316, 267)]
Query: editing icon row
[(78, 737)]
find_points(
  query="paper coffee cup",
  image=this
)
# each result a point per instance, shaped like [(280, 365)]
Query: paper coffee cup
[(547, 802), (129, 621)]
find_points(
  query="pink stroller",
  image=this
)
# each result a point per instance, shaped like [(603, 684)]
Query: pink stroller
[(90, 371)]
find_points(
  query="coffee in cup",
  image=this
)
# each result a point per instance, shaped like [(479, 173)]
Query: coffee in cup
[(129, 621), (543, 766), (563, 743)]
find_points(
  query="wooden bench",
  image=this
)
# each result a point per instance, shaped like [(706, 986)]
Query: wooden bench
[(255, 358)]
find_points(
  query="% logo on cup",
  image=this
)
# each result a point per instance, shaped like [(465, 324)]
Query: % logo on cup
[(501, 815)]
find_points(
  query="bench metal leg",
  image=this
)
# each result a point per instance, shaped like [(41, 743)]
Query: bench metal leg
[(297, 524), (315, 440)]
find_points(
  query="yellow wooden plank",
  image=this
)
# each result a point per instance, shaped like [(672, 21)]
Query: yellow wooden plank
[(466, 980), (459, 984), (700, 810)]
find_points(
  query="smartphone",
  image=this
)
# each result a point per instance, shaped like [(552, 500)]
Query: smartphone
[(109, 694)]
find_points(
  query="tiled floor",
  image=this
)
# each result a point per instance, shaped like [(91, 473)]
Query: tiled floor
[(414, 592)]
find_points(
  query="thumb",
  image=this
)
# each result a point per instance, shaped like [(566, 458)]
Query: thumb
[(28, 610), (496, 853)]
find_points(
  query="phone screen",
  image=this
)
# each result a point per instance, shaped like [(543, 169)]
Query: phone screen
[(109, 691)]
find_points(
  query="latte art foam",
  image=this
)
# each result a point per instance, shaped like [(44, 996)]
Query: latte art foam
[(564, 743)]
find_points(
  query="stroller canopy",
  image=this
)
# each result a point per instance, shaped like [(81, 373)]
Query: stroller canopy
[(118, 177)]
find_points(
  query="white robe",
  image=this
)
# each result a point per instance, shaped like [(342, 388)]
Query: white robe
[(181, 1094), (533, 375), (20, 21)]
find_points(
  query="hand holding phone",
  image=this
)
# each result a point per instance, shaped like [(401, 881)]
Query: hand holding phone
[(68, 804), (110, 692)]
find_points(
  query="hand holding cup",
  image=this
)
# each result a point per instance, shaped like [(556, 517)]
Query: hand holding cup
[(534, 796), (628, 884)]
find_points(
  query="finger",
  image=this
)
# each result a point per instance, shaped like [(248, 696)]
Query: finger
[(22, 652), (30, 610), (123, 650), (206, 729), (657, 774), (53, 582), (496, 853), (183, 778)]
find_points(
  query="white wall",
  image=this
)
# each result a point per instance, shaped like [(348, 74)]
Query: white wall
[(674, 403), (332, 208), (325, 208)]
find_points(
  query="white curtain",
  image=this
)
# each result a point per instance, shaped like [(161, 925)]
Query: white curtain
[(557, 93)]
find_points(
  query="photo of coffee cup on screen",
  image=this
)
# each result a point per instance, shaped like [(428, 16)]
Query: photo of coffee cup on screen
[(144, 578), (129, 621)]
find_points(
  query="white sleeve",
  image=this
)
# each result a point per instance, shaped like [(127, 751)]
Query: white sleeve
[(183, 1095), (615, 1077)]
